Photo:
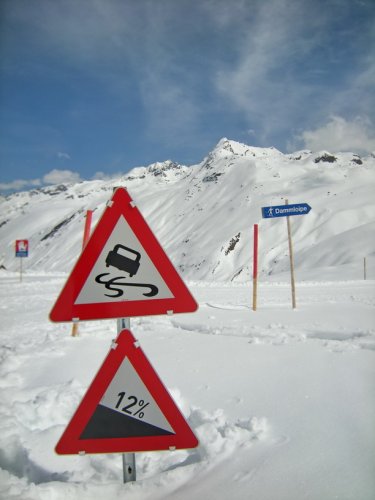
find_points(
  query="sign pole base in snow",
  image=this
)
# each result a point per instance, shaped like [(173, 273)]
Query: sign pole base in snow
[(128, 459), (128, 467)]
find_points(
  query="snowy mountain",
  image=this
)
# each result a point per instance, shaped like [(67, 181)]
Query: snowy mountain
[(203, 215)]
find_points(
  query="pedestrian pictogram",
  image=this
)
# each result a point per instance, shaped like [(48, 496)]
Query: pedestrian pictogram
[(126, 408), (123, 271), (285, 210)]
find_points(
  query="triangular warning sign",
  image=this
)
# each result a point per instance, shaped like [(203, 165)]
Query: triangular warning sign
[(126, 408), (123, 271)]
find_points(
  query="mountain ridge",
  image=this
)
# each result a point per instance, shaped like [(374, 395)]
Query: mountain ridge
[(203, 214)]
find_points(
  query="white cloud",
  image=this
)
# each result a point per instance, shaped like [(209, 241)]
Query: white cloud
[(173, 113), (288, 73), (99, 176), (19, 184), (102, 176), (63, 156), (53, 177), (56, 176), (339, 134), (85, 32), (263, 80)]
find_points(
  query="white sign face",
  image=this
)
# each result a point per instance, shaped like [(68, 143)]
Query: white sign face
[(128, 395), (123, 271)]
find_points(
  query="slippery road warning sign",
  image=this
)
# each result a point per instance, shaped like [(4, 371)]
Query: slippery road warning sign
[(123, 271), (126, 408)]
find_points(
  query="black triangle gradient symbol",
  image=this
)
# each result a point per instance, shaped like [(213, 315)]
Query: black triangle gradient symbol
[(107, 423)]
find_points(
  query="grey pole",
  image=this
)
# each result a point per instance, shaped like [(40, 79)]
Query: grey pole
[(128, 459), (128, 467)]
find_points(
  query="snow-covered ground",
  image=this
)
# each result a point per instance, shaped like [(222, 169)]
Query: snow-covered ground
[(282, 400)]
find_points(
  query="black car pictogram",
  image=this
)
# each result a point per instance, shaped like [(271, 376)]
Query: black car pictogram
[(124, 258)]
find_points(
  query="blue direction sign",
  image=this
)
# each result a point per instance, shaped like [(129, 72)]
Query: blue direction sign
[(285, 210)]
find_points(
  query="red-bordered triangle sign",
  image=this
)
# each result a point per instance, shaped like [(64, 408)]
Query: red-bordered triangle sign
[(123, 271), (126, 408)]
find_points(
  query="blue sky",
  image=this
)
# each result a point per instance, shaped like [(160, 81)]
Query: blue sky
[(92, 88)]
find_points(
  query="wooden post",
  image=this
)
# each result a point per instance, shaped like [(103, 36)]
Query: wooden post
[(255, 267), (86, 232), (291, 259), (86, 236), (364, 269)]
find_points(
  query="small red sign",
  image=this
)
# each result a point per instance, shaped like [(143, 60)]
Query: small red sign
[(126, 408), (22, 248)]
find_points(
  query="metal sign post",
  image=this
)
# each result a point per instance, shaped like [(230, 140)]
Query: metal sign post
[(128, 459), (128, 467)]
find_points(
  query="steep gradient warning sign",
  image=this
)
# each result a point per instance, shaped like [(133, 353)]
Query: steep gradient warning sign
[(126, 409)]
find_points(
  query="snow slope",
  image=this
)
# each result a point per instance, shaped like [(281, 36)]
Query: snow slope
[(203, 215)]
